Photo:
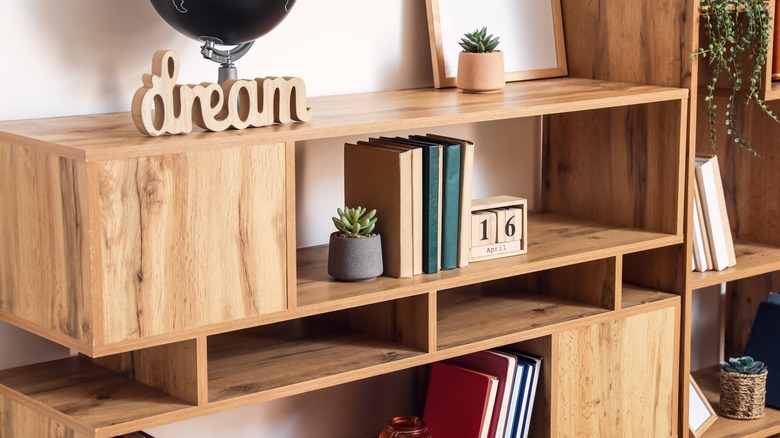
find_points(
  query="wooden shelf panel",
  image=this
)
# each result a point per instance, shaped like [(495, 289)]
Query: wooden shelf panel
[(708, 381), (466, 317), (752, 259), (636, 296), (113, 136), (306, 358), (463, 313), (773, 91), (90, 397), (554, 240)]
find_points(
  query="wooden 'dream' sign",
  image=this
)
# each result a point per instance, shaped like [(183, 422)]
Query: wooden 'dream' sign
[(499, 227), (161, 106)]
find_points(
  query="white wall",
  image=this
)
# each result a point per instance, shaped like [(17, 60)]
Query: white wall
[(86, 56)]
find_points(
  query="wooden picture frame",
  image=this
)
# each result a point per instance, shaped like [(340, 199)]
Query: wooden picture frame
[(532, 43), (700, 412)]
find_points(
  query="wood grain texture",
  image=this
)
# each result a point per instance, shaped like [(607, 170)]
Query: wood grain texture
[(294, 356), (638, 42), (659, 269), (595, 283), (462, 313), (752, 259), (89, 396), (405, 321), (113, 136), (44, 244), (633, 158), (171, 368), (190, 240), (554, 240), (635, 357), (18, 420)]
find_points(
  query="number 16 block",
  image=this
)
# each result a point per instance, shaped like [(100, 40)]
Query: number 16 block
[(499, 227)]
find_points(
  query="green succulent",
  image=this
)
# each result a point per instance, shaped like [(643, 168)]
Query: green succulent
[(478, 41), (355, 222), (744, 365)]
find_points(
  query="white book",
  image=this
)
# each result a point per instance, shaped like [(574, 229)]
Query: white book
[(713, 206)]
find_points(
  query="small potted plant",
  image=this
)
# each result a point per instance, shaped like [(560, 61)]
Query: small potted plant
[(355, 252), (480, 65), (742, 388)]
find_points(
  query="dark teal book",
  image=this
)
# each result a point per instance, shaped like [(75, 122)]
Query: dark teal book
[(450, 219), (431, 178), (762, 345)]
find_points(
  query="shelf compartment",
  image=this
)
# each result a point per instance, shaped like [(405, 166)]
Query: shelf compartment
[(554, 240), (752, 259), (87, 397), (634, 296), (626, 165), (653, 275), (524, 306), (708, 380), (316, 352)]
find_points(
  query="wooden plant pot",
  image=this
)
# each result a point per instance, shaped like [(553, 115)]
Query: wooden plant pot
[(355, 259), (742, 396), (481, 72)]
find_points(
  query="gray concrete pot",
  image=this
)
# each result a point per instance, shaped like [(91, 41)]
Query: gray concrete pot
[(355, 259)]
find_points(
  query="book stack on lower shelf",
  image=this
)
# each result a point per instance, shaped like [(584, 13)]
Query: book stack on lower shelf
[(713, 245), (421, 189), (483, 394)]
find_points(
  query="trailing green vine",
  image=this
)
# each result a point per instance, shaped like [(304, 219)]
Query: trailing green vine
[(735, 34)]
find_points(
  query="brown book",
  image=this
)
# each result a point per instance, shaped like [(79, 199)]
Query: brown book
[(417, 198), (381, 177)]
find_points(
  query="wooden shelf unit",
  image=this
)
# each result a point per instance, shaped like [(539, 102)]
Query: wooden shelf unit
[(752, 194), (582, 274)]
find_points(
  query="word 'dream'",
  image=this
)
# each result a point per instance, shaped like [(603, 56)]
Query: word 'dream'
[(162, 106)]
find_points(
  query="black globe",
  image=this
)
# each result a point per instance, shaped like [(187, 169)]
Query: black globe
[(232, 22)]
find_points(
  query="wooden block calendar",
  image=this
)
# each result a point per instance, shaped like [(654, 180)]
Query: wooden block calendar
[(499, 227)]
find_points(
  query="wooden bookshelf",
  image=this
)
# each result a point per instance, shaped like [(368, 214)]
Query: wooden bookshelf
[(603, 282), (752, 193)]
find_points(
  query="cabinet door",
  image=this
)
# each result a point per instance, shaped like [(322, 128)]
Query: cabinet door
[(618, 378), (192, 239)]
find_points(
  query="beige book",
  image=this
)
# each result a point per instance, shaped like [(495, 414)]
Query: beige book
[(380, 177)]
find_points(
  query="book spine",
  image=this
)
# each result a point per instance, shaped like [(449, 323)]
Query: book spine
[(430, 210), (451, 205)]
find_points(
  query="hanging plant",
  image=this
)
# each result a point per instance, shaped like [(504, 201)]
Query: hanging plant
[(735, 33)]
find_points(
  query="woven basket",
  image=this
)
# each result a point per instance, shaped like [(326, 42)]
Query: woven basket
[(742, 396)]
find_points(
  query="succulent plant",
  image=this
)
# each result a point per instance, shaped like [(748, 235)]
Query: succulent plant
[(478, 41), (355, 222), (744, 365)]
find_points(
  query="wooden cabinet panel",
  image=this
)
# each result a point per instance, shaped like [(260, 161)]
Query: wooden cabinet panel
[(618, 378), (100, 253), (191, 239), (44, 247)]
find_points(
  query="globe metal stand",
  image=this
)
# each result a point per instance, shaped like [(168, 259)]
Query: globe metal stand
[(227, 70)]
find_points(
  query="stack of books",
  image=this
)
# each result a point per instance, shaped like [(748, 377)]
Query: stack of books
[(421, 188), (488, 394), (713, 245)]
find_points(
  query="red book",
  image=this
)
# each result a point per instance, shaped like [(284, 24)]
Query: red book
[(498, 364), (460, 402)]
